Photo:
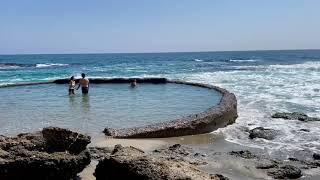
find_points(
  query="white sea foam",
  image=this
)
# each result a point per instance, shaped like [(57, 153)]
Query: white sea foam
[(5, 84), (9, 67), (52, 78), (243, 60), (307, 66), (266, 90), (50, 65)]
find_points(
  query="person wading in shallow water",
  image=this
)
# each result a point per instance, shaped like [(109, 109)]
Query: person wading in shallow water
[(133, 83), (72, 85), (84, 83)]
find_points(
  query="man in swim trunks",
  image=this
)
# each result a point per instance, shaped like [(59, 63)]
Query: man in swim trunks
[(84, 83)]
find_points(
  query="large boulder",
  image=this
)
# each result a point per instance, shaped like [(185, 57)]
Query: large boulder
[(295, 116), (260, 132), (246, 154), (38, 156), (286, 172), (59, 139), (133, 163), (316, 156)]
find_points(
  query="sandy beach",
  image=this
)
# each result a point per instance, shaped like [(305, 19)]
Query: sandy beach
[(215, 150)]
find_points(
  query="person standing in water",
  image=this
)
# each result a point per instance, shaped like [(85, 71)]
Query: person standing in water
[(72, 85), (84, 83), (133, 83)]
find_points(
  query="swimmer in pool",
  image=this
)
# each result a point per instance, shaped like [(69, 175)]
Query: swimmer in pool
[(72, 85), (84, 83), (133, 83)]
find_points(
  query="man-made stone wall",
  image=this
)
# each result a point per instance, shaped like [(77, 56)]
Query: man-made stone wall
[(218, 116), (215, 117)]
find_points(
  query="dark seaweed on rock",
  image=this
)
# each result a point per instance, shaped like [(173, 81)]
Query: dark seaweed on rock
[(295, 116), (117, 80)]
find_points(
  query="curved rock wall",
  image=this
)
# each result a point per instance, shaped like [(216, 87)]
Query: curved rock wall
[(218, 116), (117, 80)]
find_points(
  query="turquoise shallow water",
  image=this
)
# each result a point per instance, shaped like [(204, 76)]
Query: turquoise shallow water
[(29, 108)]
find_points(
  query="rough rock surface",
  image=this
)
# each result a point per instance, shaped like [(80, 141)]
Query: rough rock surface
[(53, 153), (260, 132), (133, 163), (295, 116), (243, 153), (179, 152), (285, 172), (316, 156), (65, 140), (267, 165), (98, 153)]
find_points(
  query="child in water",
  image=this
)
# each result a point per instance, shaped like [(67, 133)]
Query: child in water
[(72, 85)]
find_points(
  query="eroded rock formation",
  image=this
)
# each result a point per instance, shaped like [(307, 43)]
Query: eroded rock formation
[(295, 116), (53, 153), (260, 132), (133, 163)]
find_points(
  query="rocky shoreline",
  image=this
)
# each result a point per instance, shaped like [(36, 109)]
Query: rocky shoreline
[(133, 163), (270, 134), (52, 153), (56, 153)]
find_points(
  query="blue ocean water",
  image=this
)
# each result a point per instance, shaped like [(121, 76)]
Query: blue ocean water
[(34, 68), (263, 81)]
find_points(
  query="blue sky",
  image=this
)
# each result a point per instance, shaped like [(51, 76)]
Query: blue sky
[(103, 26)]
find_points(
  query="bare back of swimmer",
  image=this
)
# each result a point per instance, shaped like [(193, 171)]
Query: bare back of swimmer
[(84, 83)]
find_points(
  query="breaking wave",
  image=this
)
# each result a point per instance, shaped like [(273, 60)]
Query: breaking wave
[(268, 89), (4, 66), (243, 60), (50, 65)]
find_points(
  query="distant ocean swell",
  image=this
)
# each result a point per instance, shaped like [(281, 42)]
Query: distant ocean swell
[(17, 66), (230, 60)]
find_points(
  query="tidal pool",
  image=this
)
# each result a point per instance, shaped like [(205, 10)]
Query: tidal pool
[(30, 108)]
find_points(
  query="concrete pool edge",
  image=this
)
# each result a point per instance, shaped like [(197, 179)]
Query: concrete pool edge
[(221, 115), (217, 116)]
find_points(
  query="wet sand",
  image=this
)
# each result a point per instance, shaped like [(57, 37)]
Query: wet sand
[(144, 144), (152, 143), (214, 147)]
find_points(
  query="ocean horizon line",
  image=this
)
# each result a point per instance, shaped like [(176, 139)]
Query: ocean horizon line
[(162, 52)]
